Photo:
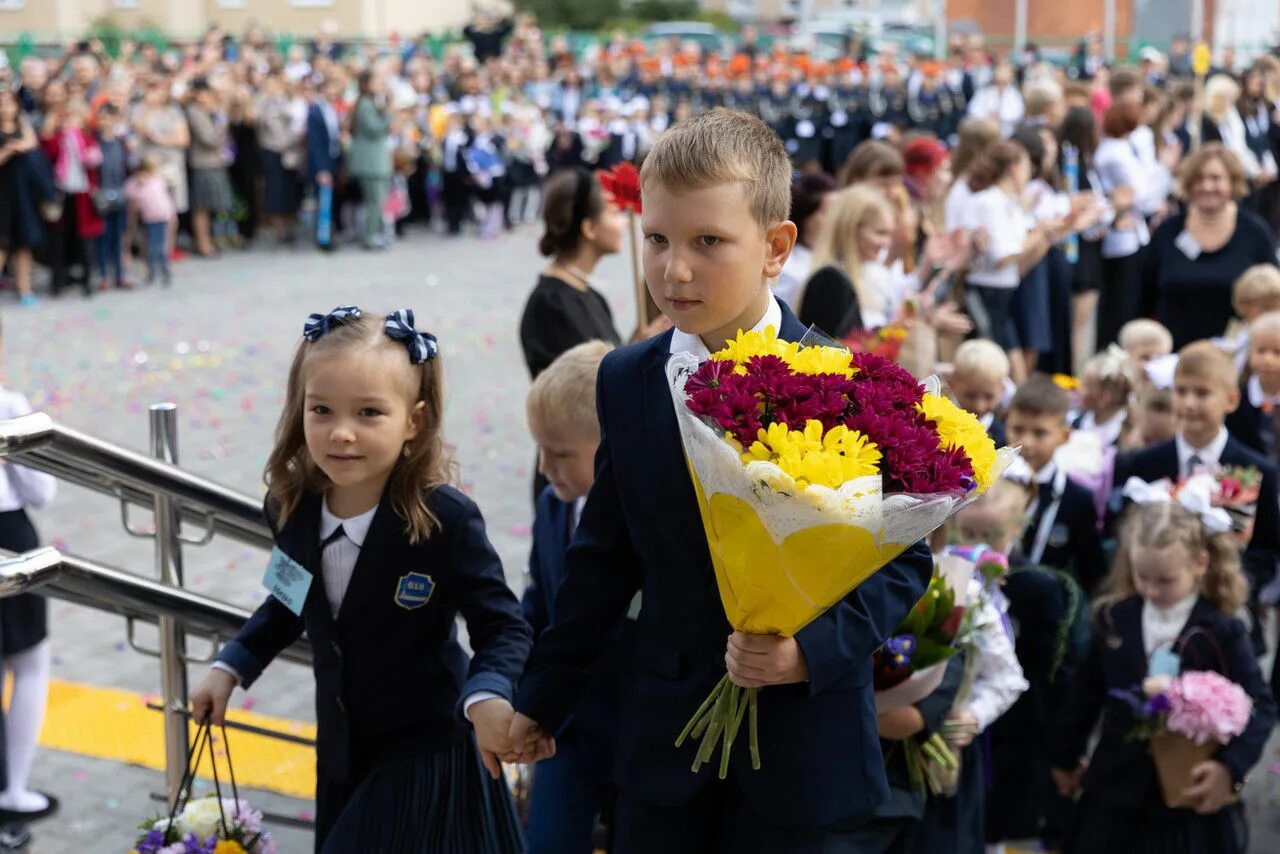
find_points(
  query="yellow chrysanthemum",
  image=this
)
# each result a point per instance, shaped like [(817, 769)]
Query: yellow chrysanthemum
[(958, 428), (228, 846), (821, 360), (810, 456), (1066, 382), (804, 360)]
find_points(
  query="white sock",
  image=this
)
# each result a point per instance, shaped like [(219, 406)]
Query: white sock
[(22, 724)]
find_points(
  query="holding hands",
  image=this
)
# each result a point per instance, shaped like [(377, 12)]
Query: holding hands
[(494, 721)]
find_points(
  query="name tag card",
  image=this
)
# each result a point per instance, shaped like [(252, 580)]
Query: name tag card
[(1164, 662), (287, 580)]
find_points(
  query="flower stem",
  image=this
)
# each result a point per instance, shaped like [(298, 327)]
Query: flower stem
[(697, 724), (753, 726)]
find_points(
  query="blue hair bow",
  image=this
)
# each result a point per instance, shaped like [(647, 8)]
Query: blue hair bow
[(318, 325), (422, 345)]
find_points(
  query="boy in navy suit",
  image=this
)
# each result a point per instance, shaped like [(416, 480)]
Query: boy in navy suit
[(1063, 528), (324, 155), (717, 190), (978, 380), (1205, 392), (574, 787)]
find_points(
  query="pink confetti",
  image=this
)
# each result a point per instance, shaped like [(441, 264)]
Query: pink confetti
[(248, 704), (306, 815), (520, 530), (81, 776)]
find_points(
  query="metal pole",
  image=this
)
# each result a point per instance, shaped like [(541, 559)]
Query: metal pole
[(1020, 28), (940, 30), (173, 671), (1197, 21), (1109, 29)]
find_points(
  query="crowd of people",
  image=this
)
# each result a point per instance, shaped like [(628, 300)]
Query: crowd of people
[(1011, 225)]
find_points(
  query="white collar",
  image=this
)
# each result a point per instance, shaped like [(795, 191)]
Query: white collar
[(1257, 397), (683, 342), (1210, 454), (355, 529), (1162, 626), (1045, 475), (1109, 430), (987, 420)]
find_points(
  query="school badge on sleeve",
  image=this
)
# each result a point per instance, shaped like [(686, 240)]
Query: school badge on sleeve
[(414, 590)]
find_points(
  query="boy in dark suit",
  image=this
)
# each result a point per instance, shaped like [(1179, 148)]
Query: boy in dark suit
[(1063, 528), (1254, 421), (574, 787), (324, 156), (717, 191)]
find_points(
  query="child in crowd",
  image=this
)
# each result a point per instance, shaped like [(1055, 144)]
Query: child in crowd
[(109, 197), (148, 193), (715, 233), (376, 557), (1254, 420), (1254, 293), (23, 642), (1153, 420), (575, 787), (978, 379), (1063, 528), (1175, 588), (1144, 340), (1105, 387)]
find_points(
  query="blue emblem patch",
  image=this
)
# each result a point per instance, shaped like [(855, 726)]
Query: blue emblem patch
[(414, 590)]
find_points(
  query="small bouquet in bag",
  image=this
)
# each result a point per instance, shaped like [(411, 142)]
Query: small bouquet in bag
[(210, 825), (812, 468), (1186, 719), (911, 664)]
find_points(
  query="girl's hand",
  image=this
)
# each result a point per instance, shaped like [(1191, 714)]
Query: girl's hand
[(948, 319), (1068, 782), (492, 722), (757, 661), (1210, 787), (209, 702), (899, 724)]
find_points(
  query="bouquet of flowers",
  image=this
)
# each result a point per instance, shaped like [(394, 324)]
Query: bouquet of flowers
[(1225, 499), (209, 825), (813, 468), (1186, 719)]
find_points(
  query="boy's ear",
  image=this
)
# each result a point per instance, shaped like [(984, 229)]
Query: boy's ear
[(1233, 399), (781, 238)]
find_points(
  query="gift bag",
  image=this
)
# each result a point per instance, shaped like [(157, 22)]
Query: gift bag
[(1175, 755)]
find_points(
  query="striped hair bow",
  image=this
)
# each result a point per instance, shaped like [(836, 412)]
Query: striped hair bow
[(422, 345), (319, 325)]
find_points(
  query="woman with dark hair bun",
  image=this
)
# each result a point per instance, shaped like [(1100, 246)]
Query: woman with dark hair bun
[(810, 201)]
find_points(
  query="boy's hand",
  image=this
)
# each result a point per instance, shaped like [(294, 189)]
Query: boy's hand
[(757, 661), (899, 724), (529, 740), (1210, 787), (1068, 782), (209, 702), (491, 720), (965, 727)]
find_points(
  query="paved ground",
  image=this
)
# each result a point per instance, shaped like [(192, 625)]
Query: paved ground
[(218, 345)]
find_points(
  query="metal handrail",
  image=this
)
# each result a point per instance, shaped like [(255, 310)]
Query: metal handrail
[(84, 582), (37, 442)]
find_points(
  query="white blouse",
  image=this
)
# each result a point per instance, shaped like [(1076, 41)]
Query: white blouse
[(20, 486), (998, 681), (1000, 215), (1161, 626), (1116, 164)]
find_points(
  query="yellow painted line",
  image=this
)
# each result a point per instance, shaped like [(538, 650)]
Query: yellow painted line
[(107, 723)]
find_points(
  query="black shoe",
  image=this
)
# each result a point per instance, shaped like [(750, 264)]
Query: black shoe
[(16, 818), (14, 837)]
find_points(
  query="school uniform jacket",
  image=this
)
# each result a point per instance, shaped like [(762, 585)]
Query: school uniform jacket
[(1074, 544), (1161, 461), (641, 530), (1255, 428), (1121, 773), (390, 673)]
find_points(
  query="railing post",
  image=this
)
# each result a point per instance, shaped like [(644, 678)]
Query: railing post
[(173, 670)]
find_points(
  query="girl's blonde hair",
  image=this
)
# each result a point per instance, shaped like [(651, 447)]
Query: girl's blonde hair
[(426, 463), (1159, 525), (837, 245)]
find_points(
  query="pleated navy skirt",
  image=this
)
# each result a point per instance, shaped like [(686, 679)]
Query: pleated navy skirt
[(1098, 829), (441, 803), (24, 619)]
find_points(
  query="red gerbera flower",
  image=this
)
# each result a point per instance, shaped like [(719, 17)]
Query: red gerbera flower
[(623, 183)]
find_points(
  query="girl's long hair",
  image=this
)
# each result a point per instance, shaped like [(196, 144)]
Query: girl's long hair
[(1162, 524), (837, 245), (426, 464)]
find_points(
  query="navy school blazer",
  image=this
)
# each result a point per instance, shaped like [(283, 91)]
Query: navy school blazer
[(1259, 558), (1074, 543), (1121, 772), (390, 678), (1252, 426), (641, 530)]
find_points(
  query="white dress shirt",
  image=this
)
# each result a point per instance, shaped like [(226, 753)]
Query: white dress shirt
[(20, 486), (1259, 398), (1109, 430), (338, 560), (1210, 455), (1162, 626), (683, 342), (998, 681)]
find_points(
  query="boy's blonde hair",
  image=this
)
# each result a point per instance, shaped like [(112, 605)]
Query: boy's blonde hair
[(426, 463), (724, 146), (564, 395), (1146, 331), (982, 358), (1205, 360), (1258, 288), (1264, 323)]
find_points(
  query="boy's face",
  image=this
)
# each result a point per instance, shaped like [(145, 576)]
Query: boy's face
[(1202, 404), (1264, 358), (1038, 434), (566, 457), (976, 393), (707, 261)]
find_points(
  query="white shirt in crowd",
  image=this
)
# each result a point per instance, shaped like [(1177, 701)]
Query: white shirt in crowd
[(1108, 431), (1159, 180), (794, 274), (1162, 626), (1116, 164), (999, 104), (884, 290), (1208, 456), (1006, 225), (999, 680), (955, 210), (20, 486)]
